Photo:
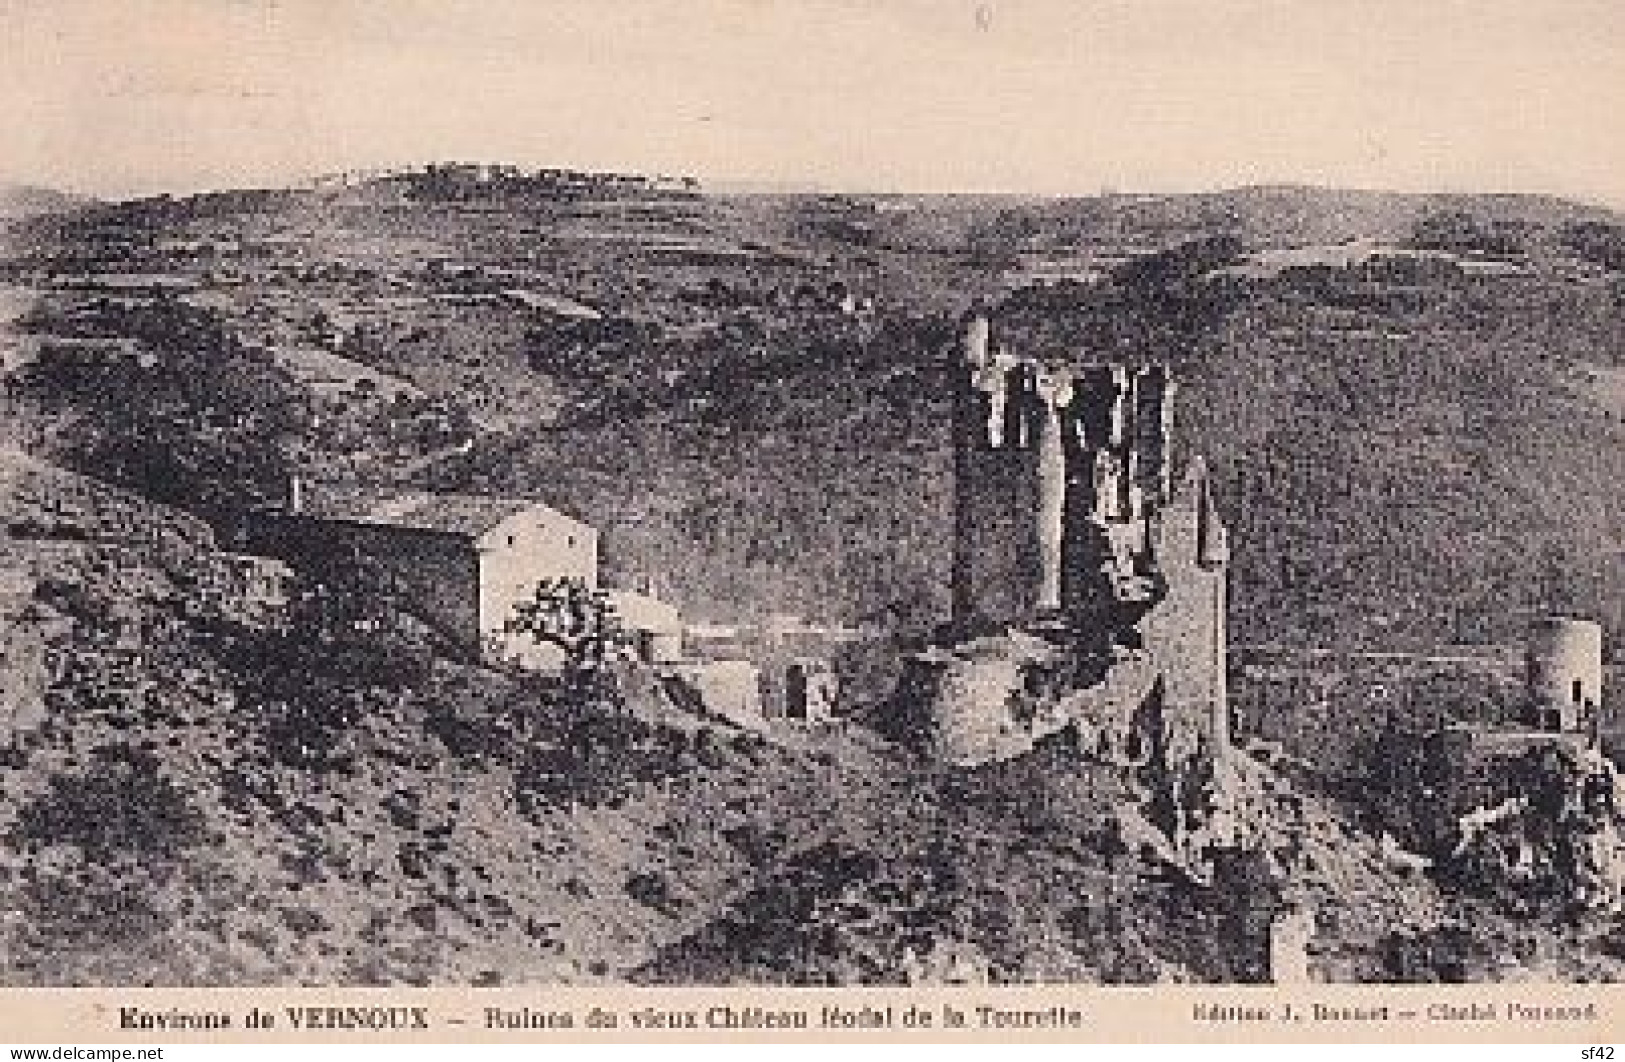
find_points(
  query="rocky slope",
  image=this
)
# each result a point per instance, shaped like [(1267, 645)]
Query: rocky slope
[(191, 796)]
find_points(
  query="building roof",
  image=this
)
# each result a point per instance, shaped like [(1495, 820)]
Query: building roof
[(458, 514)]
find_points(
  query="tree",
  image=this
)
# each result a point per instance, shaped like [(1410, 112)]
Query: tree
[(576, 619)]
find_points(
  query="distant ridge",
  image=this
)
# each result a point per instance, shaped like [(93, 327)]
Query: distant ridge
[(1262, 215), (21, 201), (1313, 213), (1535, 207)]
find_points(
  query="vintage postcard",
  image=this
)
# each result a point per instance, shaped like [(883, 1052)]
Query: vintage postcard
[(789, 520)]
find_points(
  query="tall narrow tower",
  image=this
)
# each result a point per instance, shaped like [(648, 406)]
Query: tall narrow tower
[(998, 421)]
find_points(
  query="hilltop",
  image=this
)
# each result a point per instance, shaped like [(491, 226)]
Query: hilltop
[(1294, 215), (22, 201)]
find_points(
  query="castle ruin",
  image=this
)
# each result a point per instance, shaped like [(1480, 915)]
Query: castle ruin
[(1069, 525)]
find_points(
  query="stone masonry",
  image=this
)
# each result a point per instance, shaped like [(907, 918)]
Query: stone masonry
[(1068, 521)]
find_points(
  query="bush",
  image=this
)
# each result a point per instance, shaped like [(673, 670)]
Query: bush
[(125, 807), (653, 891)]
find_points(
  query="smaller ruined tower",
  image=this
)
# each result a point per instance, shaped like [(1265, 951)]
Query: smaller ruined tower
[(1564, 673)]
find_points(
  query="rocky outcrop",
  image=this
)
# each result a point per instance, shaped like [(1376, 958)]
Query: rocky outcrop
[(1542, 827)]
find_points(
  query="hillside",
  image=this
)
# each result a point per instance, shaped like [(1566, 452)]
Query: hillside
[(1410, 420), (1404, 465), (746, 394), (1295, 215), (190, 796)]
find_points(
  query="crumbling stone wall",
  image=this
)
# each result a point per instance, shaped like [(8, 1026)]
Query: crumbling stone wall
[(984, 699), (1060, 474), (996, 555)]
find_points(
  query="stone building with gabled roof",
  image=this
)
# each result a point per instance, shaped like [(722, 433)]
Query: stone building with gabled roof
[(459, 562)]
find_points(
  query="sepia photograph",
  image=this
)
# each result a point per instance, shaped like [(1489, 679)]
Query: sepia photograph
[(812, 494)]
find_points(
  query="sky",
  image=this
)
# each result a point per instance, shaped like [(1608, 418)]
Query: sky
[(126, 97)]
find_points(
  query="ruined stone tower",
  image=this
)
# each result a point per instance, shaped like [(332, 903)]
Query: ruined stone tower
[(1564, 673), (1067, 517)]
